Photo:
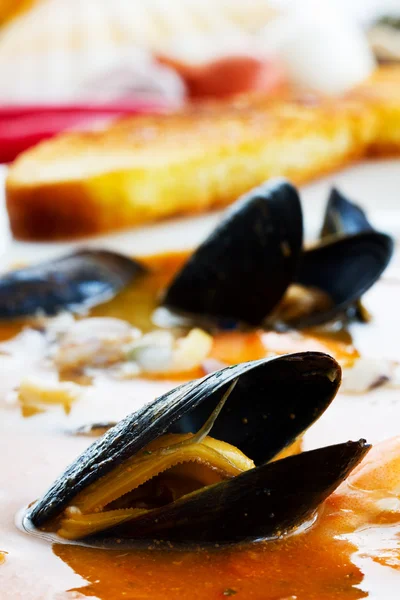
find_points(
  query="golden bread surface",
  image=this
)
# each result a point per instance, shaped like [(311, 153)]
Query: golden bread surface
[(381, 94), (142, 169)]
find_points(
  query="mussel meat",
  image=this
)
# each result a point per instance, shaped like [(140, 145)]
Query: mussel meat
[(244, 268), (158, 474), (79, 280)]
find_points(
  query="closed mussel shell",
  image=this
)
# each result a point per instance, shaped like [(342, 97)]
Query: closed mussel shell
[(242, 270), (72, 282)]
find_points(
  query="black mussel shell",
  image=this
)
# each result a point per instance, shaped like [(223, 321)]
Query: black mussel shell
[(345, 269), (242, 270), (93, 429), (261, 503), (82, 279), (343, 216), (349, 260), (273, 402)]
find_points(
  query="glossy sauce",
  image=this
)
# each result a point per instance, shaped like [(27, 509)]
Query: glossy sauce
[(269, 571), (230, 347), (313, 565)]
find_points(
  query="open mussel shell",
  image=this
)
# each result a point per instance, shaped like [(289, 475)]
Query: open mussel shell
[(264, 502), (343, 216), (273, 402), (79, 280), (242, 270), (347, 262)]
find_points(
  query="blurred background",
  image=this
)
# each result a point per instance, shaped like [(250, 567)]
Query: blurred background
[(72, 64)]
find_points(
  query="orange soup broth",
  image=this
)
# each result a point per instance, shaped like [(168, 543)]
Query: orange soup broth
[(229, 347), (313, 565)]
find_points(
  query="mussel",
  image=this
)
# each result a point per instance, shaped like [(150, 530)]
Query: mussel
[(241, 273), (349, 259), (158, 474), (243, 269), (79, 280), (343, 217)]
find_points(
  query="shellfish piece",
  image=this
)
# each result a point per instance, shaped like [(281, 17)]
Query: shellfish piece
[(350, 258), (79, 280), (264, 502), (343, 216), (94, 342), (152, 459), (242, 270), (247, 269), (174, 465), (344, 269)]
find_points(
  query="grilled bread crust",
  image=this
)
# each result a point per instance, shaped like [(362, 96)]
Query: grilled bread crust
[(142, 169)]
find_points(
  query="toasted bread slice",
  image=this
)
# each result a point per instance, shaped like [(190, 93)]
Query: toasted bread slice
[(147, 168), (381, 93)]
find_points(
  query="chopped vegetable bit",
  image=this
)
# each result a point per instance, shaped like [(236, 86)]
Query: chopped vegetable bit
[(35, 394), (159, 352)]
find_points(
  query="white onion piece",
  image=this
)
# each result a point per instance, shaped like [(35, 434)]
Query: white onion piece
[(159, 352), (153, 352), (191, 350)]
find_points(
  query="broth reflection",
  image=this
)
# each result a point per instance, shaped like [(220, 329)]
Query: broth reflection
[(304, 567)]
